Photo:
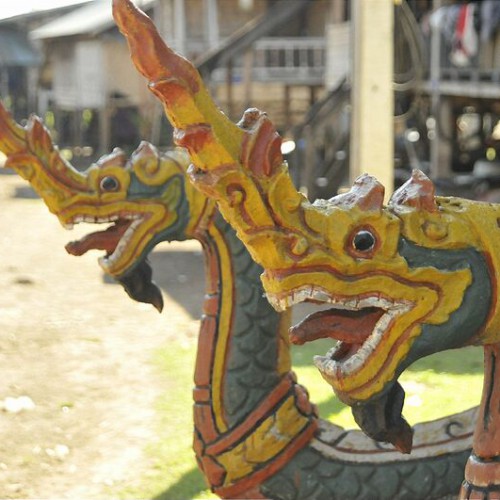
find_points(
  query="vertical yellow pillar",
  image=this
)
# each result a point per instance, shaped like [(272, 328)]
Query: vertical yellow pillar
[(372, 130)]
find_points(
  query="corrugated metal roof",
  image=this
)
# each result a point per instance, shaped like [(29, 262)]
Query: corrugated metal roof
[(91, 19), (16, 49), (20, 10)]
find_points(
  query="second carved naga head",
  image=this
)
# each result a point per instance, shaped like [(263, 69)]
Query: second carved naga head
[(402, 281)]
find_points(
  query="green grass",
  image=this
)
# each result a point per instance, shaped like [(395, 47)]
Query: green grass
[(435, 386), (174, 475)]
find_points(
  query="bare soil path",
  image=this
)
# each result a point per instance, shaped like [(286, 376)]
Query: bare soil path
[(81, 351)]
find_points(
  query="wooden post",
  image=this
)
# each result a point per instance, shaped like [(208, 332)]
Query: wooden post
[(372, 131), (482, 472), (440, 151), (4, 83), (229, 88), (180, 26), (307, 182), (337, 11), (104, 129), (248, 60), (287, 106), (212, 23), (163, 17)]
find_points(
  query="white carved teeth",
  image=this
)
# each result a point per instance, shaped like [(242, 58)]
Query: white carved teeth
[(331, 367), (300, 296), (326, 364), (102, 219), (321, 296), (107, 262), (103, 262), (67, 225), (310, 292), (136, 219)]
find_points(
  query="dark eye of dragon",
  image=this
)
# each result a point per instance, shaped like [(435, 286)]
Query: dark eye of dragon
[(363, 241), (109, 183)]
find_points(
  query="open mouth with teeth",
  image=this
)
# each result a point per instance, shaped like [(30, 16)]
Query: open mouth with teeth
[(358, 326), (351, 328), (135, 274), (113, 240)]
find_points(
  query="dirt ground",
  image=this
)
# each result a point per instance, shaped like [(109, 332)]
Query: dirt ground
[(77, 351)]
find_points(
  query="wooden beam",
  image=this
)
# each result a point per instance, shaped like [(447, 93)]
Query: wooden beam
[(372, 129)]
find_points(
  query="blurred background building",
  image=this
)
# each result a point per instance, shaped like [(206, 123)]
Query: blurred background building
[(291, 58)]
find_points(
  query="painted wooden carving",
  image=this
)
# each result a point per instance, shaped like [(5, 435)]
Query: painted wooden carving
[(256, 434), (405, 280)]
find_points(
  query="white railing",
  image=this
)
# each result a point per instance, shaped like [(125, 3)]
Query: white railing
[(286, 60)]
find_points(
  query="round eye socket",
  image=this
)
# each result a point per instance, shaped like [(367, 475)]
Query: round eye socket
[(363, 241), (109, 183)]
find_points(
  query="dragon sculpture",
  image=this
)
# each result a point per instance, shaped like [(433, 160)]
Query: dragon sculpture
[(404, 280), (256, 434)]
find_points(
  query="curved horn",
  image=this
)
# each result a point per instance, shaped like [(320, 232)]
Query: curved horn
[(417, 192), (367, 193), (32, 154), (240, 166), (211, 138)]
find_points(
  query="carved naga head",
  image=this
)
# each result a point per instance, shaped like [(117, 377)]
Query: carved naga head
[(402, 281), (143, 199)]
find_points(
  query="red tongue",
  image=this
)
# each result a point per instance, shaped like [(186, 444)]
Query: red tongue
[(101, 240), (351, 327)]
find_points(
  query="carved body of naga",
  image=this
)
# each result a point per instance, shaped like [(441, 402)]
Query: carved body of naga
[(256, 435), (404, 280)]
